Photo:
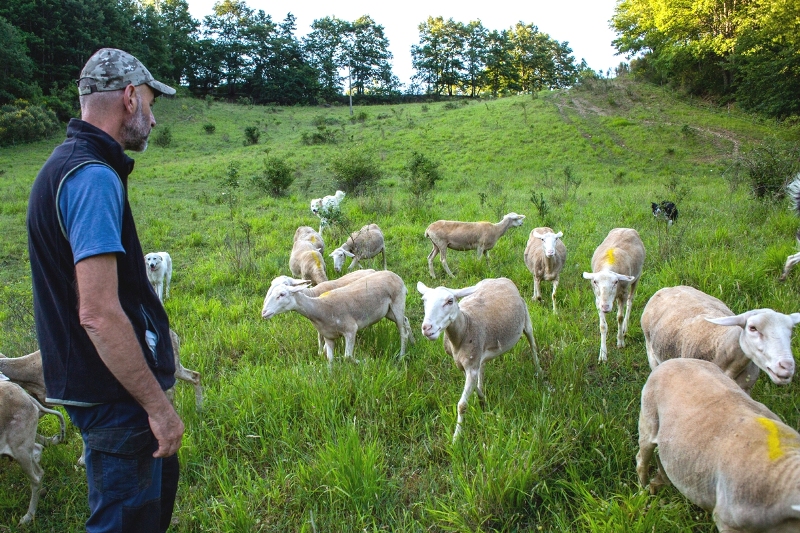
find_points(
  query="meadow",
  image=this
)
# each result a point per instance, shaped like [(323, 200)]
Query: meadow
[(284, 444)]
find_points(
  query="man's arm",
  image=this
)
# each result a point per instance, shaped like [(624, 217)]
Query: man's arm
[(111, 332)]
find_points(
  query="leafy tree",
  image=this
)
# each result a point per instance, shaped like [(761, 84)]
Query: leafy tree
[(323, 47), (438, 57), (367, 55), (230, 27), (500, 72), (474, 54), (16, 68)]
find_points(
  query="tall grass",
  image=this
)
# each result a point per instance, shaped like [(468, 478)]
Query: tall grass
[(283, 444)]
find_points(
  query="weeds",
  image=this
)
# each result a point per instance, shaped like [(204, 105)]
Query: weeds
[(541, 206), (275, 178), (355, 170), (163, 137), (323, 135), (209, 128), (769, 167), (422, 175), (251, 135)]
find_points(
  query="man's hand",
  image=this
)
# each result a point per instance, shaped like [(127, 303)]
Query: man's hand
[(168, 429)]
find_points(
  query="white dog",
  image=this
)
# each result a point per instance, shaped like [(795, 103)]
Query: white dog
[(324, 207), (159, 272)]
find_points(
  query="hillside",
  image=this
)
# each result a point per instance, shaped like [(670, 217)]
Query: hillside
[(284, 445)]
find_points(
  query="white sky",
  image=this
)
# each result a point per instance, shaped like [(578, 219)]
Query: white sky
[(582, 23)]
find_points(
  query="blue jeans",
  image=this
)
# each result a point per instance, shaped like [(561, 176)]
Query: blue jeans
[(130, 491)]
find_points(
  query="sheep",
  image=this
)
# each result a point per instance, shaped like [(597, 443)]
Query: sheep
[(545, 256), (480, 323), (616, 269), (724, 451), (793, 192), (307, 233), (344, 311), (19, 419), (362, 244), (185, 374), (26, 371), (326, 208), (683, 322), (480, 236), (306, 262)]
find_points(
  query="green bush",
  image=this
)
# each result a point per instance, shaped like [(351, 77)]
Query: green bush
[(251, 135), (323, 135), (355, 170), (209, 128), (769, 167), (163, 137), (276, 177), (423, 173), (22, 123), (361, 116)]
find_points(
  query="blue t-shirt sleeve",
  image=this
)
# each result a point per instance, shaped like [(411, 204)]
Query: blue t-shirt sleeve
[(91, 201)]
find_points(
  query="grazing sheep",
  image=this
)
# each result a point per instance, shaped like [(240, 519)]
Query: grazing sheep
[(306, 262), (19, 419), (460, 236), (26, 371), (307, 233), (724, 451), (616, 269), (793, 191), (684, 322), (479, 323), (545, 256), (344, 311), (326, 207), (362, 244)]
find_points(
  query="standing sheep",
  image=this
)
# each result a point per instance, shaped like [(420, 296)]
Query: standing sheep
[(479, 323), (307, 233), (616, 269), (362, 244), (545, 256), (306, 262), (460, 236), (684, 322), (724, 451)]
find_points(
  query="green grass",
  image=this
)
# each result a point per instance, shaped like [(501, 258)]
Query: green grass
[(285, 445)]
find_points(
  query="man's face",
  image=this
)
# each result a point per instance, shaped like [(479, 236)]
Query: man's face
[(137, 128)]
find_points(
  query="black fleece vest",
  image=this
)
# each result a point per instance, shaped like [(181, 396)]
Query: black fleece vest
[(73, 371)]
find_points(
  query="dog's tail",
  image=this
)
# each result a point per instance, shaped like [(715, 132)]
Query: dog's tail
[(793, 191)]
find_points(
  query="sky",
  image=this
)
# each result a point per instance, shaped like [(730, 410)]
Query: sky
[(582, 23)]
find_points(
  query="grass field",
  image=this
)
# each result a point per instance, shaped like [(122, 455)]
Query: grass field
[(282, 444)]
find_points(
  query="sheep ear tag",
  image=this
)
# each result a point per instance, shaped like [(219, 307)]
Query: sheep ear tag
[(3, 377)]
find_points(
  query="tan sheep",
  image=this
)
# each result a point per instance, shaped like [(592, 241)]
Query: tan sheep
[(685, 322), (545, 256), (362, 244), (460, 236), (724, 451), (616, 268), (306, 262)]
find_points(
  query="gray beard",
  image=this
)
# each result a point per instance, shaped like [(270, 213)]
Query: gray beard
[(135, 132)]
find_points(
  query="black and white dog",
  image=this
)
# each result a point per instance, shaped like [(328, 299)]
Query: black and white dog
[(665, 210), (159, 272)]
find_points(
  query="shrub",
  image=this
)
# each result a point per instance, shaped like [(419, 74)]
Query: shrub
[(361, 116), (251, 135), (323, 135), (163, 137), (323, 120), (769, 167), (276, 177), (423, 173), (22, 123), (355, 170), (209, 128)]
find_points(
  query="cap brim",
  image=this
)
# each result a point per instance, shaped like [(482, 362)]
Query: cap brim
[(161, 88)]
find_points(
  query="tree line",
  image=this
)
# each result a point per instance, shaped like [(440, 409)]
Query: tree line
[(238, 52)]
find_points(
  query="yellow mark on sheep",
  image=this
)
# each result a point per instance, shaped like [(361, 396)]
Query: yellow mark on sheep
[(316, 260), (777, 446), (610, 257)]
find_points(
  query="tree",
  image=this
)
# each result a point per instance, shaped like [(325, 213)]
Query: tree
[(500, 72), (438, 57), (474, 55), (367, 55), (229, 27), (16, 68), (324, 50)]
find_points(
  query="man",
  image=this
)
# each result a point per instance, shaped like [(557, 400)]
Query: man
[(102, 331)]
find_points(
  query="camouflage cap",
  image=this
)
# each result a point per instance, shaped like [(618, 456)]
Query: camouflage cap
[(110, 69)]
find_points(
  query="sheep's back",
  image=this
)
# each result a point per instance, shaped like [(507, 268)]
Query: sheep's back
[(622, 251), (459, 236), (496, 308)]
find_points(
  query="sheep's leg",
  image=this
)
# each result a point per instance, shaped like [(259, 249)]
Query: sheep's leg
[(409, 331), (431, 255), (30, 465), (622, 325), (383, 254), (603, 335), (791, 261), (320, 343), (329, 343), (628, 307), (479, 388), (443, 259), (349, 345), (353, 263), (553, 296), (537, 293), (528, 330), (472, 376)]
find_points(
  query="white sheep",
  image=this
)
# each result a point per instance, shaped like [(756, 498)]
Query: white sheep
[(344, 311), (616, 269), (684, 322), (26, 371), (793, 192), (19, 419), (326, 207), (724, 451), (307, 233), (545, 256), (479, 323), (460, 236), (307, 262), (365, 243), (184, 373)]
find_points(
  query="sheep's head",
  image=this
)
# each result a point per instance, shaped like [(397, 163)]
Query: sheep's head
[(605, 285), (441, 307), (766, 339), (338, 258), (549, 240), (280, 296)]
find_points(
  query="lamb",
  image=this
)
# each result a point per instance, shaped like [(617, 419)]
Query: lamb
[(480, 323), (480, 236), (362, 244), (307, 233), (616, 269), (306, 262), (326, 208), (724, 451), (545, 256), (19, 419), (684, 322), (344, 311)]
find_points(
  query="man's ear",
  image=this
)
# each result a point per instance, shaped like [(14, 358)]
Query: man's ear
[(129, 99)]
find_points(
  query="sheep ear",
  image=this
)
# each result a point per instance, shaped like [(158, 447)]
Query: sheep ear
[(298, 288), (536, 234), (348, 254), (559, 235), (304, 282), (422, 288), (623, 277), (466, 291), (794, 316), (738, 320), (588, 275)]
